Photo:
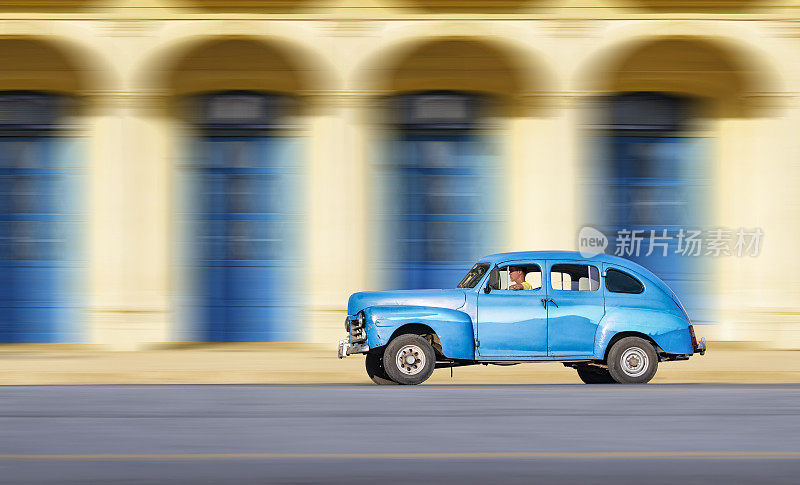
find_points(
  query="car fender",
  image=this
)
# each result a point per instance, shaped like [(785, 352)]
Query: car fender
[(453, 327), (668, 330)]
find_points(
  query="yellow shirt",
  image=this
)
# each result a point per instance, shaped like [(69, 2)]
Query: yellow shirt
[(525, 285)]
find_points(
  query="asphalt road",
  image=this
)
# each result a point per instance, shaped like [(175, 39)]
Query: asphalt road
[(416, 435)]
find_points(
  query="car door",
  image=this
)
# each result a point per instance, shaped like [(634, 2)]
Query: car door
[(575, 307), (513, 323)]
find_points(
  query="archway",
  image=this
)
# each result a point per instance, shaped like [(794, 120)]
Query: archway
[(652, 137), (242, 102), (437, 180), (42, 193)]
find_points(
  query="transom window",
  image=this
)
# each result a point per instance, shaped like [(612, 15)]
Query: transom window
[(574, 277)]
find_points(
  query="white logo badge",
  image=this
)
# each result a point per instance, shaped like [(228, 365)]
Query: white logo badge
[(591, 242)]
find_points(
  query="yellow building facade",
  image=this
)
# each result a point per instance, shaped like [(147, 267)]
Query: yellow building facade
[(130, 63)]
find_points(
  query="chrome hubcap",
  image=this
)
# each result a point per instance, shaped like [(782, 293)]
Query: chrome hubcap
[(410, 360), (634, 362)]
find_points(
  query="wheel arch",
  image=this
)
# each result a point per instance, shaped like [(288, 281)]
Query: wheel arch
[(422, 330), (451, 330), (621, 335), (667, 330)]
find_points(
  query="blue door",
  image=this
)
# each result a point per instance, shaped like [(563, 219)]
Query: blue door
[(513, 323), (650, 175), (245, 202), (659, 185), (436, 196), (40, 222), (574, 309)]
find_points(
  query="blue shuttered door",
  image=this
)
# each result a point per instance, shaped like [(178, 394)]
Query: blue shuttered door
[(247, 233), (437, 207), (40, 225), (659, 185), (651, 176), (244, 206), (437, 192)]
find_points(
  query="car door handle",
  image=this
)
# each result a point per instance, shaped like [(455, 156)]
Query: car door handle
[(545, 300)]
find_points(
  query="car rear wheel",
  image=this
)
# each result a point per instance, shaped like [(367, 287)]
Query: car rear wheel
[(409, 359), (632, 360), (595, 375), (375, 370)]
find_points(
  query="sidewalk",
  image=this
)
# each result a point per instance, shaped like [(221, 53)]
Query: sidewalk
[(271, 363)]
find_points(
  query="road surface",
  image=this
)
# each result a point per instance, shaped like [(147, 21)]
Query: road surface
[(416, 435)]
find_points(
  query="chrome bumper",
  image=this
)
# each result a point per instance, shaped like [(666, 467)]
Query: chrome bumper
[(701, 347), (346, 348)]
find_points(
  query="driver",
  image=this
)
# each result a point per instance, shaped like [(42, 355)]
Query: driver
[(517, 276)]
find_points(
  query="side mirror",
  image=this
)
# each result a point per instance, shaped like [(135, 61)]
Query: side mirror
[(487, 289)]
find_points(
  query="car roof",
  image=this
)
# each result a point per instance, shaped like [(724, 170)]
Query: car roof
[(567, 255)]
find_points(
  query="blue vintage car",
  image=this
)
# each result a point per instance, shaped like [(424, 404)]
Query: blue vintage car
[(610, 319)]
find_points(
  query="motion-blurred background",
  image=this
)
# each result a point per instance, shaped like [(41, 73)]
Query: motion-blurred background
[(231, 170)]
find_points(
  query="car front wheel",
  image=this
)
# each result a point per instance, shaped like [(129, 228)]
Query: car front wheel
[(375, 370), (409, 359), (632, 360)]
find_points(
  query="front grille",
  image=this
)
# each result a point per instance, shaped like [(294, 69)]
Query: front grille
[(357, 331)]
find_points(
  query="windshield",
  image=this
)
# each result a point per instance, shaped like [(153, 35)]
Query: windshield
[(474, 276)]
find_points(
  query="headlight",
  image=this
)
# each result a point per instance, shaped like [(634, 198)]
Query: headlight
[(347, 324), (361, 319)]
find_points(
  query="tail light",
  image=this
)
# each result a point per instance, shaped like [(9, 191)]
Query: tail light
[(694, 339)]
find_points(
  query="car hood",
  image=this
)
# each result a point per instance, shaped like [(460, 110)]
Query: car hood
[(453, 299)]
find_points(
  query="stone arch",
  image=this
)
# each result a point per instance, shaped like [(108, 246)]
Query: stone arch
[(708, 68), (459, 63), (220, 63), (34, 63)]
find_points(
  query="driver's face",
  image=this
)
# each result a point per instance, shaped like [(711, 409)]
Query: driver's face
[(515, 273)]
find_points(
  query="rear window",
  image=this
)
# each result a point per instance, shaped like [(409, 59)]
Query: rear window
[(620, 282), (574, 277)]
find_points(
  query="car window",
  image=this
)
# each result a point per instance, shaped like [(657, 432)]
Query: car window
[(474, 276), (531, 274), (574, 277), (620, 282)]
